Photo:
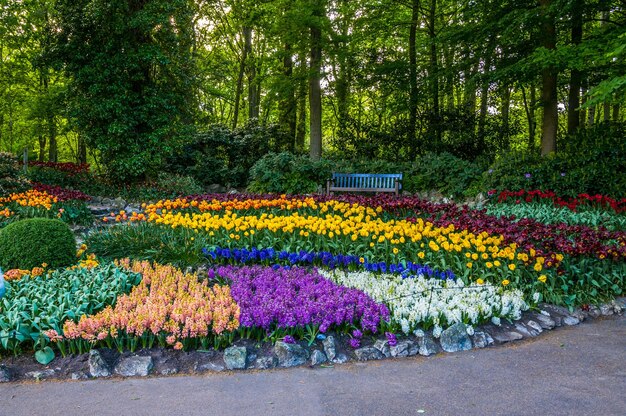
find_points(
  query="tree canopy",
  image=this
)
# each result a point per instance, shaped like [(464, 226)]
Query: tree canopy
[(126, 83)]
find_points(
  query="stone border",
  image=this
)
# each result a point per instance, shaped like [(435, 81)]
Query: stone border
[(332, 349)]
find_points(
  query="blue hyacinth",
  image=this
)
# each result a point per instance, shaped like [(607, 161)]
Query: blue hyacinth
[(285, 259)]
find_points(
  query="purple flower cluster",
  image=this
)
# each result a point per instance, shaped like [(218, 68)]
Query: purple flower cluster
[(296, 297), (269, 256)]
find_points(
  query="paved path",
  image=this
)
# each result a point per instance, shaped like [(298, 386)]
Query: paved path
[(570, 371)]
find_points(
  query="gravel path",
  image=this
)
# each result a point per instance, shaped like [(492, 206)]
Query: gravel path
[(571, 371)]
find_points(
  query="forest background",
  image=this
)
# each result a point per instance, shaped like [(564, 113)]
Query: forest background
[(243, 92)]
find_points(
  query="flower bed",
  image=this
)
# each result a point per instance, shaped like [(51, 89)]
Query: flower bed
[(421, 303), (46, 202), (296, 301), (168, 307), (42, 302)]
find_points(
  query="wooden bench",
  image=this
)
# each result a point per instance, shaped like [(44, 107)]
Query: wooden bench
[(364, 182)]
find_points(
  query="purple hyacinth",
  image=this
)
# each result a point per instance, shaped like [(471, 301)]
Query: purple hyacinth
[(391, 339), (355, 343), (289, 340), (357, 334), (297, 297)]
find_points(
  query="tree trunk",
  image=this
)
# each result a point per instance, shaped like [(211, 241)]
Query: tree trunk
[(288, 106), (549, 124), (413, 90), (239, 87), (82, 150), (484, 95), (582, 115), (302, 96), (253, 91), (315, 89), (529, 106), (591, 116), (434, 70), (42, 146), (606, 112), (573, 102), (505, 110), (615, 113)]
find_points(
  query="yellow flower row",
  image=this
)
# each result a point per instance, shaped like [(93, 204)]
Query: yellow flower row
[(354, 226)]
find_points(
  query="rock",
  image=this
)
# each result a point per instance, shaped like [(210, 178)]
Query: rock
[(533, 327), (131, 208), (571, 320), (621, 302), (97, 366), (266, 362), (522, 329), (606, 310), (368, 353), (503, 336), (329, 347), (401, 349), (135, 366), (118, 204), (382, 345), (428, 346), (5, 374), (290, 355), (215, 188), (481, 339), (40, 375), (79, 376), (235, 357), (340, 358), (414, 348), (455, 338), (99, 210), (168, 371), (594, 312), (199, 368), (563, 312), (544, 321), (318, 357)]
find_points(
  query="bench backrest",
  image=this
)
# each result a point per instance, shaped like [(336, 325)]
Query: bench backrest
[(366, 180)]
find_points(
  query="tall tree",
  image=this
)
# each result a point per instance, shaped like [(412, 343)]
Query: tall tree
[(132, 78)]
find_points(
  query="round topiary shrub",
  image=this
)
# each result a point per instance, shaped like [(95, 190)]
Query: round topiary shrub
[(30, 243)]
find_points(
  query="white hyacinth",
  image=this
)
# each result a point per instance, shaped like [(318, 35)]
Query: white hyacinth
[(417, 301)]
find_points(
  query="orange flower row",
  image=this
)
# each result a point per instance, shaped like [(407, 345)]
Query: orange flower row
[(167, 302)]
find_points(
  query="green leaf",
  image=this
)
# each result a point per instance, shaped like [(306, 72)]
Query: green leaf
[(44, 356)]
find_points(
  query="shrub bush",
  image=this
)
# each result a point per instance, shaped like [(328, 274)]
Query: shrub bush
[(10, 176), (224, 156), (593, 161), (32, 242), (445, 173)]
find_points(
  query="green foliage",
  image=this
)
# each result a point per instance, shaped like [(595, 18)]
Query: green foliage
[(445, 173), (179, 184), (132, 77), (29, 243), (224, 156), (33, 305), (288, 173), (592, 161), (549, 214), (180, 246), (11, 179)]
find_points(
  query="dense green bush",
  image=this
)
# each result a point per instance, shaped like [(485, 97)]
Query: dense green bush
[(593, 161), (29, 243), (33, 305), (179, 184), (224, 156), (445, 173), (10, 176), (287, 173)]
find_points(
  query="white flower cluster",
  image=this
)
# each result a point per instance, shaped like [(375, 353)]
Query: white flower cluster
[(440, 303)]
